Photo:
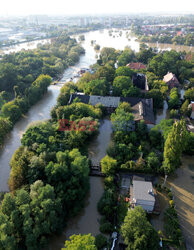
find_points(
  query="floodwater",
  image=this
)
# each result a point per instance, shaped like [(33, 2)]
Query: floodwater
[(87, 221), (97, 149), (167, 46), (25, 45), (162, 113), (182, 185)]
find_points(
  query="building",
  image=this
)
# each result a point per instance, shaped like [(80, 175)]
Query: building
[(191, 105), (136, 65), (142, 109), (140, 81), (143, 195), (171, 81)]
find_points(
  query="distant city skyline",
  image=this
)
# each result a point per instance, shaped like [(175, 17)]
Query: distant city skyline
[(88, 7)]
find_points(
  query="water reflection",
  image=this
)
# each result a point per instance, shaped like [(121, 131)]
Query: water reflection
[(162, 113)]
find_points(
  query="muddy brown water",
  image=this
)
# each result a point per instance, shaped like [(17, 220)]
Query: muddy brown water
[(182, 184)]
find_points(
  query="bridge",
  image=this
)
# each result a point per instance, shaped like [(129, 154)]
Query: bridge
[(95, 169)]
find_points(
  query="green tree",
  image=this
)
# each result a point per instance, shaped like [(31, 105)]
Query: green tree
[(126, 57), (157, 96), (137, 231), (124, 71), (11, 111), (174, 99), (96, 87), (185, 110), (5, 127), (120, 84), (108, 54), (175, 144), (189, 94), (108, 165), (80, 242), (153, 162), (100, 241)]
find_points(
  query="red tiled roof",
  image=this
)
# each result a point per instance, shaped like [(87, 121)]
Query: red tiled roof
[(179, 33), (192, 103), (136, 65)]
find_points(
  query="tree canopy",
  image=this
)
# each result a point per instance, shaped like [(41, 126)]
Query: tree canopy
[(137, 232)]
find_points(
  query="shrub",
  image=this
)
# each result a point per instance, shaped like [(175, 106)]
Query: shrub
[(170, 195), (100, 241), (171, 202), (106, 228)]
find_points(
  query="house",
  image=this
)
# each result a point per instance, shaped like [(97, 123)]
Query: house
[(143, 195), (140, 81), (191, 105), (142, 109), (136, 65), (171, 81)]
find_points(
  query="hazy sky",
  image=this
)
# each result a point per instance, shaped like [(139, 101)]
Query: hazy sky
[(73, 7)]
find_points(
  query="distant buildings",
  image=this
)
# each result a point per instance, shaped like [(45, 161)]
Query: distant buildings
[(142, 109), (143, 195), (171, 80)]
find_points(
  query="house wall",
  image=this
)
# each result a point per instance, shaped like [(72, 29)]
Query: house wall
[(192, 115)]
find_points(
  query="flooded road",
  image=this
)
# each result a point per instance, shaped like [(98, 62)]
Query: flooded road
[(182, 184), (97, 148), (162, 113)]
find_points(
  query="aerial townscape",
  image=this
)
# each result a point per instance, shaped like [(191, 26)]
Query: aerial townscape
[(96, 126)]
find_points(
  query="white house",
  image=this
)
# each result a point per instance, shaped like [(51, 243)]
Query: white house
[(143, 195)]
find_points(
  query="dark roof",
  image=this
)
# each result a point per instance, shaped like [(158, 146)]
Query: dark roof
[(142, 111), (134, 100), (139, 81), (83, 98)]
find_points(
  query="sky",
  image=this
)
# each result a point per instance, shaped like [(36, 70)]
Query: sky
[(92, 7)]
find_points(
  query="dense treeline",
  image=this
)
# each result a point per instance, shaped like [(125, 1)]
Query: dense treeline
[(26, 76), (22, 68), (48, 180)]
